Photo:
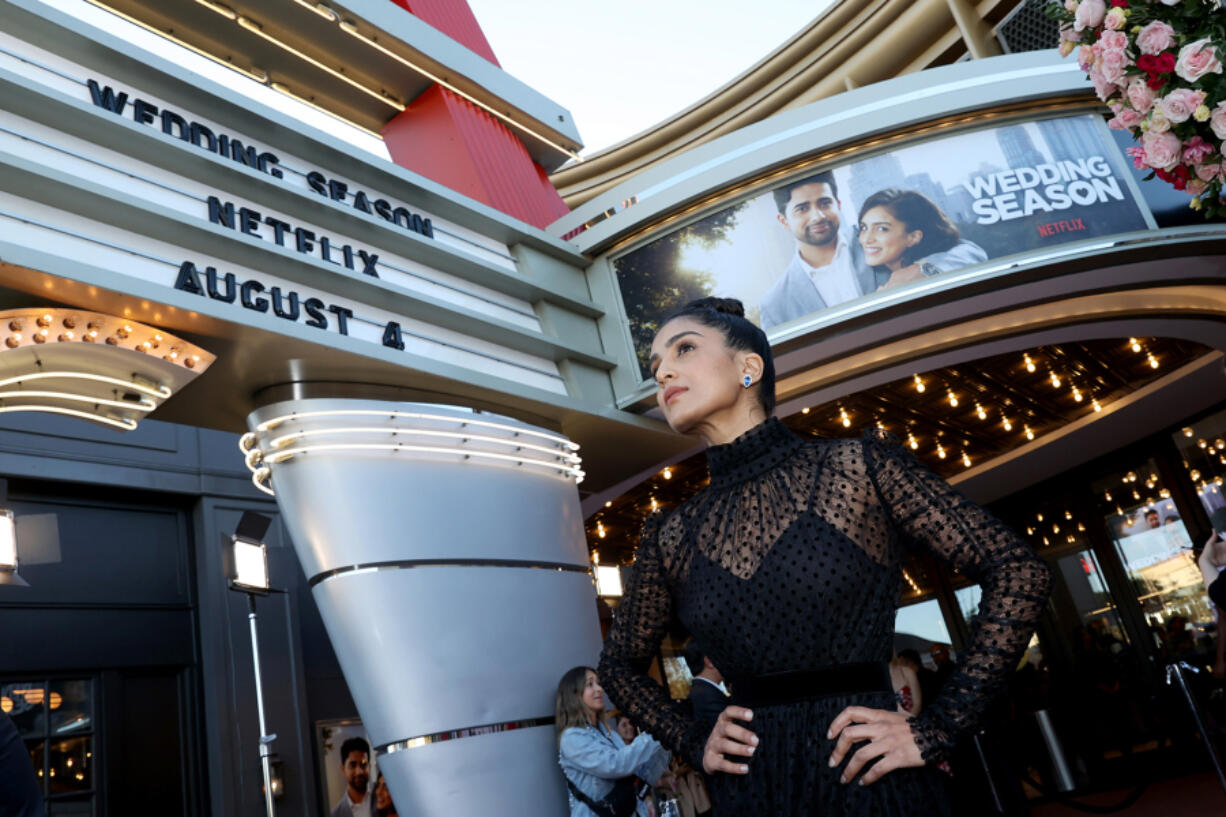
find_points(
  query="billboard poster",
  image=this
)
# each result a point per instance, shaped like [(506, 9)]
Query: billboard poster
[(845, 232)]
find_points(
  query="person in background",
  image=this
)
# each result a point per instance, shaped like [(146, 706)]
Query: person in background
[(707, 694), (355, 763), (20, 793), (598, 764), (906, 685), (384, 807), (625, 728)]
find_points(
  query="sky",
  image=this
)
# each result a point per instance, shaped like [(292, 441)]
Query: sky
[(622, 67)]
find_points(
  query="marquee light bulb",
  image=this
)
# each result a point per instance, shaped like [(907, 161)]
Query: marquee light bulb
[(1097, 406), (966, 459), (940, 451), (1055, 379), (1004, 421), (1135, 344), (1077, 394), (983, 415), (1030, 367), (1028, 432), (912, 442), (1153, 361), (844, 418), (953, 398), (919, 384), (667, 473)]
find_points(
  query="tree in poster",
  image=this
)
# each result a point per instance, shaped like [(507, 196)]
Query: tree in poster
[(654, 282)]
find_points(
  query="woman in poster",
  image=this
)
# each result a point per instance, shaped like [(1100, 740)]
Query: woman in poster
[(787, 568), (898, 227)]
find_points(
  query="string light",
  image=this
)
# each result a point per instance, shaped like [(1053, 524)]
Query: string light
[(953, 398), (1187, 431), (1026, 430), (1030, 367), (940, 451), (919, 384), (844, 417), (914, 587), (983, 415), (655, 506), (966, 460), (912, 442), (804, 410), (1039, 516), (1068, 514), (600, 531), (1055, 379), (1004, 421), (1107, 495), (1153, 361), (1097, 406), (667, 473), (1135, 344), (1077, 396)]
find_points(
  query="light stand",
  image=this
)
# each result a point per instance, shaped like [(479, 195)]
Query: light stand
[(248, 569)]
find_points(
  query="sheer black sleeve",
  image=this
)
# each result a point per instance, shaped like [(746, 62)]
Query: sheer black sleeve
[(1015, 582), (639, 626)]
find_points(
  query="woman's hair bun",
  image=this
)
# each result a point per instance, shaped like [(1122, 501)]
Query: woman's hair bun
[(727, 306)]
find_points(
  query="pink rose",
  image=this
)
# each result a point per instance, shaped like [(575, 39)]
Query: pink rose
[(1217, 121), (1069, 36), (1115, 19), (1138, 157), (1195, 187), (1113, 40), (1196, 150), (1162, 149), (1089, 14), (1070, 6), (1208, 172), (1178, 105), (1140, 95), (1155, 38), (1197, 59), (1126, 119), (1104, 87), (1112, 65), (1085, 58)]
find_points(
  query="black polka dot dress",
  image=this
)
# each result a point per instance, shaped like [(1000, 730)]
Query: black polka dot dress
[(791, 560)]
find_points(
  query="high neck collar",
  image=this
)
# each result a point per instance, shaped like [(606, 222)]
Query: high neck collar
[(752, 454)]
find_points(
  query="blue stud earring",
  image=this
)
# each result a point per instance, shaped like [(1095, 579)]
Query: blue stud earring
[(747, 380)]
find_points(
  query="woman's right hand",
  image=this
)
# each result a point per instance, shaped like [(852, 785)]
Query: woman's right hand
[(729, 738)]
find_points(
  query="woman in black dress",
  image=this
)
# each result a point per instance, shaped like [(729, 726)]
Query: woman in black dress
[(787, 569)]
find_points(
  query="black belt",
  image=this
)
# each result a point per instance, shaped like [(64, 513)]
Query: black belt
[(788, 687)]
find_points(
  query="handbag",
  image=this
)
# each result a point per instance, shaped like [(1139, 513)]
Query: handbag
[(621, 801)]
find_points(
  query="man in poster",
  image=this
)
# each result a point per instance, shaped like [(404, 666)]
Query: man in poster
[(355, 762), (829, 266)]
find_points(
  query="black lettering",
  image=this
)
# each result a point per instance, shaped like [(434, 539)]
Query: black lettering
[(143, 112), (337, 189), (325, 249), (427, 228), (342, 318), (244, 155), (368, 262), (188, 280), (292, 314), (249, 221), (171, 121), (347, 254), (104, 97), (258, 304), (304, 239), (222, 214), (408, 218), (268, 162), (279, 229), (223, 145), (317, 182), (314, 308), (418, 224), (383, 209), (392, 336), (210, 274), (360, 201), (210, 141)]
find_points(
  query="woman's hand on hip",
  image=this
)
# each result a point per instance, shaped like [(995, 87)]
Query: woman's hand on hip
[(889, 740), (729, 738)]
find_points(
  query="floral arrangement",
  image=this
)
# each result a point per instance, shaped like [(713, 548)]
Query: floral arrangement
[(1157, 64)]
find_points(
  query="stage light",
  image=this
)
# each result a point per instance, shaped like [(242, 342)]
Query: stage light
[(608, 581), (8, 551)]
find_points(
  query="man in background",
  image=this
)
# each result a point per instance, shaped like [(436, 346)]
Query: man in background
[(707, 697), (355, 763), (20, 793)]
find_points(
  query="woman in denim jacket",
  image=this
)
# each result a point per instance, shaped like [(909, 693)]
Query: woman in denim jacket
[(591, 755)]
